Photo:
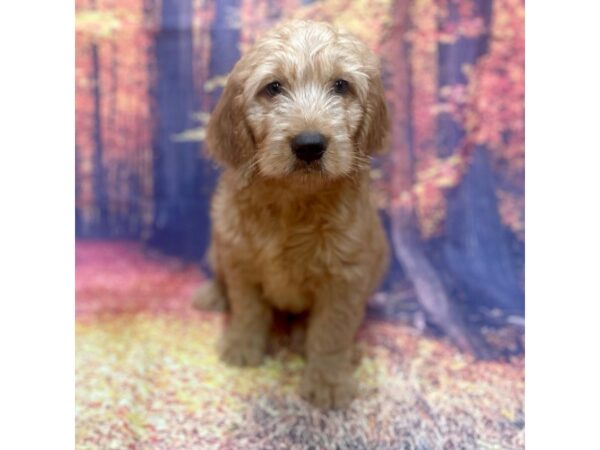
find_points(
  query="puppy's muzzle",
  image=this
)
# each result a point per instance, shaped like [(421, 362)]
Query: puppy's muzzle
[(309, 147)]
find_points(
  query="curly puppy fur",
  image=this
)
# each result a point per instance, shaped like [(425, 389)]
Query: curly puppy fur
[(290, 234)]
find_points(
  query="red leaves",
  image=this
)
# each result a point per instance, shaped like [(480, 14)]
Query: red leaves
[(490, 106), (114, 277)]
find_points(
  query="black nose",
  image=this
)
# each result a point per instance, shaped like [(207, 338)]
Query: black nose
[(309, 146)]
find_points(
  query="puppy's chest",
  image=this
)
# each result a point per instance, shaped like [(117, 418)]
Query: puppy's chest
[(295, 257)]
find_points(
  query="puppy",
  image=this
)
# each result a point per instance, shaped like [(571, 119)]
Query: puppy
[(293, 226)]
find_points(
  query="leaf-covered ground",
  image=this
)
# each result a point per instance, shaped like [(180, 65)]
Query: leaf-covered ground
[(148, 376)]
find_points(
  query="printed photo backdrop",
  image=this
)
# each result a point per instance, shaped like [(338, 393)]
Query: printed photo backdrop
[(450, 192)]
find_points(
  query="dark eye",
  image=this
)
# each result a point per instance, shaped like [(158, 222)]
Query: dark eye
[(341, 87), (273, 89)]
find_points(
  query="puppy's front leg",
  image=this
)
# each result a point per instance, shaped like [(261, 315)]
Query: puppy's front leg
[(245, 340), (328, 381)]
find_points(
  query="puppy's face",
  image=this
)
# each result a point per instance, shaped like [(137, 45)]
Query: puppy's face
[(306, 101)]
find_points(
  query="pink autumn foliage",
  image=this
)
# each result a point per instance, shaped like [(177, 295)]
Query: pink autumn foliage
[(119, 277)]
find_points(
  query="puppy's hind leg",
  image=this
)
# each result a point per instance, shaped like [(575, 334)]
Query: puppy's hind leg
[(210, 297)]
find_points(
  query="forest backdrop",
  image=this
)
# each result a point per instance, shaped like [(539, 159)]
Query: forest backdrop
[(450, 190)]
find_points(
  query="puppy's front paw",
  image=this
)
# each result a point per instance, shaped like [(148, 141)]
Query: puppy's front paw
[(326, 395), (237, 351)]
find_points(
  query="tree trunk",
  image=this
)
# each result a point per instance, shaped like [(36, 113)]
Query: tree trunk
[(116, 219), (407, 244), (99, 181), (429, 287), (224, 41), (475, 246), (79, 226), (178, 207)]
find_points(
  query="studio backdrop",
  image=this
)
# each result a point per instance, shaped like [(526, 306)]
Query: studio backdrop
[(450, 188)]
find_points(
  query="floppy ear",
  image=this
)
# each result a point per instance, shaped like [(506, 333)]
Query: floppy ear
[(374, 132), (228, 137)]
